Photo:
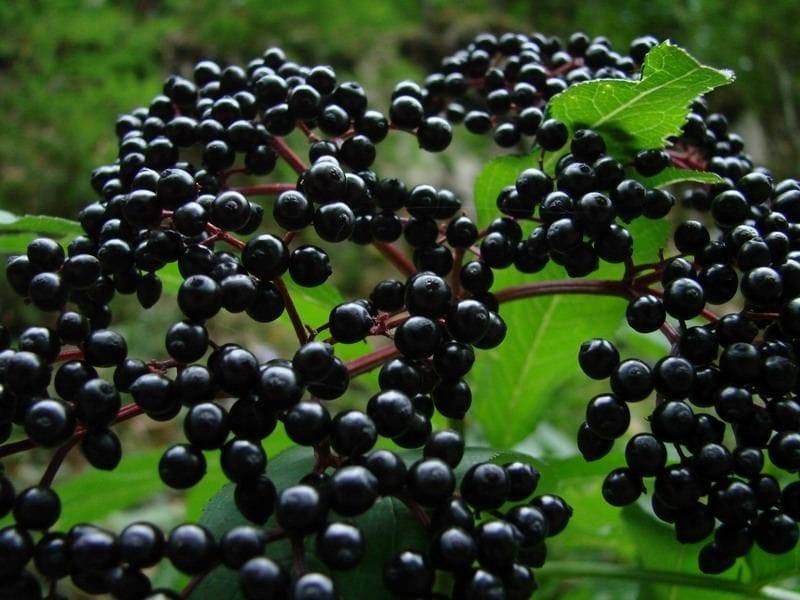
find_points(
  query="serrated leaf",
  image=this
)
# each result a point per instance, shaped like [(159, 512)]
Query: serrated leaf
[(514, 384), (637, 115), (38, 224), (673, 175)]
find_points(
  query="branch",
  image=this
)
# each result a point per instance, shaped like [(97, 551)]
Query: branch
[(578, 286), (291, 309), (287, 154), (366, 363), (56, 460), (397, 258)]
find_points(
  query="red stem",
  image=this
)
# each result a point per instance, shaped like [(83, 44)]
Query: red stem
[(65, 355), (291, 309), (126, 412), (366, 363), (192, 585), (220, 234), (543, 288), (56, 460), (310, 135), (298, 557), (397, 258), (418, 512), (287, 154)]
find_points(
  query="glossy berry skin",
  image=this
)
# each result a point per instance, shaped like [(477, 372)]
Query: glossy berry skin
[(608, 416), (206, 425), (260, 577), (353, 490), (309, 266), (645, 314), (240, 544), (340, 546), (597, 358), (485, 486), (430, 481), (453, 549), (255, 499), (622, 487), (498, 544), (313, 586), (242, 460), (199, 297), (523, 479), (645, 454), (684, 298), (557, 511), (391, 411), (417, 337), (408, 574), (37, 508), (631, 380), (266, 257), (49, 422), (141, 544), (191, 548), (104, 348), (350, 322), (446, 445), (388, 468), (427, 294), (16, 547), (300, 510), (468, 321), (182, 466)]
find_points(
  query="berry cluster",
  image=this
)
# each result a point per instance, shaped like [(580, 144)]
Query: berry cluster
[(169, 199), (741, 365), (70, 382)]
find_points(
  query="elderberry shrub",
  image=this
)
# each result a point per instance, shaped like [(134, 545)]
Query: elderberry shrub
[(169, 199)]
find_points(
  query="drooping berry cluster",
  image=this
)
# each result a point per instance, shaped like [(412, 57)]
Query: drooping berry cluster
[(741, 367)]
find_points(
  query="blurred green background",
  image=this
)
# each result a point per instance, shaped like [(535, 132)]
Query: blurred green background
[(68, 68)]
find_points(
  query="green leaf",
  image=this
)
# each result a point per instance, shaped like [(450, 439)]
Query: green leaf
[(38, 224), (772, 568), (494, 176), (513, 384), (92, 495), (15, 243), (673, 175), (657, 549), (637, 115)]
